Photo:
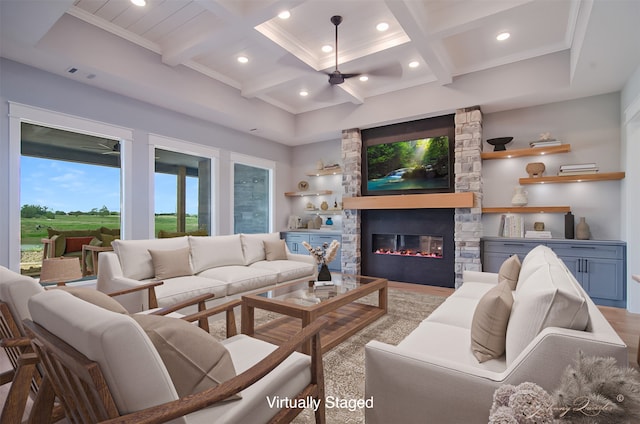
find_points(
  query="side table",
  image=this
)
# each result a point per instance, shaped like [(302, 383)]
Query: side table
[(94, 257)]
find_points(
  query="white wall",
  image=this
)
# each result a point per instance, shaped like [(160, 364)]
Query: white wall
[(33, 87), (592, 126), (630, 100)]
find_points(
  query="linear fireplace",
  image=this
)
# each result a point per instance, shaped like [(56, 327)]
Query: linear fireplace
[(410, 245)]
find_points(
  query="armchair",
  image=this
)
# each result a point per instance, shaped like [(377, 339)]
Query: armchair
[(97, 380), (25, 377)]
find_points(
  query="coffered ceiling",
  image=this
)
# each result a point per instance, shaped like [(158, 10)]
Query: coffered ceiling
[(183, 55)]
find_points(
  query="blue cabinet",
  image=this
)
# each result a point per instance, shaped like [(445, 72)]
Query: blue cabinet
[(294, 241), (599, 266)]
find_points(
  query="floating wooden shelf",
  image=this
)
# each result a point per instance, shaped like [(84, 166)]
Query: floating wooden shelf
[(322, 212), (606, 176), (307, 193), (528, 209), (533, 151), (410, 201), (323, 172)]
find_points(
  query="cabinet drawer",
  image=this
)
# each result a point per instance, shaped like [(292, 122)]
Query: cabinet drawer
[(317, 239), (296, 238), (515, 247), (578, 250)]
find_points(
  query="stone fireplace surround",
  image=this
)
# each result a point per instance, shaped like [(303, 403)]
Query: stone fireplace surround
[(468, 178)]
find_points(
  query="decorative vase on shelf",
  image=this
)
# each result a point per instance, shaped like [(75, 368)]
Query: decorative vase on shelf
[(519, 196), (324, 206), (329, 221), (323, 272), (569, 226), (582, 230)]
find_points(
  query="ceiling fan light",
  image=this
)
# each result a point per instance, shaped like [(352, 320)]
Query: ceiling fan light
[(382, 26), (139, 3), (364, 78), (503, 36), (327, 48), (243, 59), (303, 93), (414, 64), (285, 14)]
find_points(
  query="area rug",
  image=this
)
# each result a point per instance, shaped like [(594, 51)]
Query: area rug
[(344, 364)]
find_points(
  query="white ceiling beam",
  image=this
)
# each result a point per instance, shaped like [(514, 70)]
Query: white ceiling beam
[(410, 14), (259, 86), (577, 30)]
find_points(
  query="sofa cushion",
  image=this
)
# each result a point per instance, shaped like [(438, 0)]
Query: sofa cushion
[(275, 250), (211, 252), (179, 289), (15, 291), (548, 298), (108, 239), (456, 311), (473, 290), (490, 320), (537, 257), (509, 271), (96, 297), (194, 359), (241, 278), (171, 263), (253, 246), (135, 258), (287, 270)]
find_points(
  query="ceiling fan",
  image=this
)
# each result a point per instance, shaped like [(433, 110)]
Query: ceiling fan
[(336, 77), (106, 149)]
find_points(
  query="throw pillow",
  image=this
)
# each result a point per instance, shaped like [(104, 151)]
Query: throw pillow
[(171, 263), (74, 244), (194, 359), (510, 270), (89, 259), (275, 250), (96, 297), (59, 243), (489, 324), (107, 239)]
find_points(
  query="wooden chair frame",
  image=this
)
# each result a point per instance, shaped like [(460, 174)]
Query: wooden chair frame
[(26, 378), (79, 384)]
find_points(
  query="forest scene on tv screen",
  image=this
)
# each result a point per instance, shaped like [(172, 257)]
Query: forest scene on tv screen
[(421, 164)]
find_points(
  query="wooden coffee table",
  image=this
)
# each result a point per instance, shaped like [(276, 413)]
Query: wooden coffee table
[(301, 305)]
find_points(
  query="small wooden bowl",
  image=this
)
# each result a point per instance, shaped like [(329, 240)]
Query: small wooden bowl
[(535, 169)]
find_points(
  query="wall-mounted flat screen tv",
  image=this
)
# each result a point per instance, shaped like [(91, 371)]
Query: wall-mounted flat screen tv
[(408, 163)]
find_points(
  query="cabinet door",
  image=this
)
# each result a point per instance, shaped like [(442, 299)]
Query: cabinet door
[(575, 266), (318, 240), (603, 278), (491, 262), (294, 243)]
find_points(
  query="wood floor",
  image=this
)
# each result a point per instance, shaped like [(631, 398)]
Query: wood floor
[(626, 324)]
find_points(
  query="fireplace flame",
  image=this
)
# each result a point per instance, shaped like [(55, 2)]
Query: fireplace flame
[(408, 252)]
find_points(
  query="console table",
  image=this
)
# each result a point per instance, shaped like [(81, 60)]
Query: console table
[(598, 265)]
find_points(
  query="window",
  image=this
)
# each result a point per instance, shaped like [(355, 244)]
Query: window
[(252, 195)]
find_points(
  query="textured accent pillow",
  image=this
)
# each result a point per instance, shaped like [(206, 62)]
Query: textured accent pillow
[(275, 250), (74, 244), (509, 271), (107, 239), (96, 297), (171, 263), (194, 359), (489, 324)]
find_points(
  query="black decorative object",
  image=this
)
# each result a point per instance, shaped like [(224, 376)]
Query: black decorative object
[(569, 226), (498, 143), (323, 273)]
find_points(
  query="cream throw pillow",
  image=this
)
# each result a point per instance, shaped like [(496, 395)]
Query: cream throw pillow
[(171, 263), (194, 359), (489, 324), (275, 250), (96, 297), (510, 270)]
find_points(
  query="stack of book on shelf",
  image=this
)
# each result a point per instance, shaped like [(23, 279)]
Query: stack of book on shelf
[(537, 234), (578, 169), (511, 225), (545, 143)]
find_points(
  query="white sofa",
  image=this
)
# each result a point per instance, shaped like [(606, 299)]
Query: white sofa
[(433, 376), (226, 266)]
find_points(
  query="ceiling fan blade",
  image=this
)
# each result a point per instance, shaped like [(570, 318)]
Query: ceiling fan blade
[(345, 76), (391, 71)]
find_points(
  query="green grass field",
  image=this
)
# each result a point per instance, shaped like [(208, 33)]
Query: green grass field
[(33, 229)]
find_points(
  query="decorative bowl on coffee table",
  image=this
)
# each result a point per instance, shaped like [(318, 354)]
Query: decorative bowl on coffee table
[(499, 143)]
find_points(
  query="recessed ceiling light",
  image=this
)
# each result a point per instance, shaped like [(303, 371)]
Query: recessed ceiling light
[(503, 36), (382, 26), (414, 64), (304, 93), (243, 59), (327, 48), (364, 78), (285, 14), (139, 2)]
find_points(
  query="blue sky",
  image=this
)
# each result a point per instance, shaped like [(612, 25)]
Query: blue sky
[(69, 186)]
